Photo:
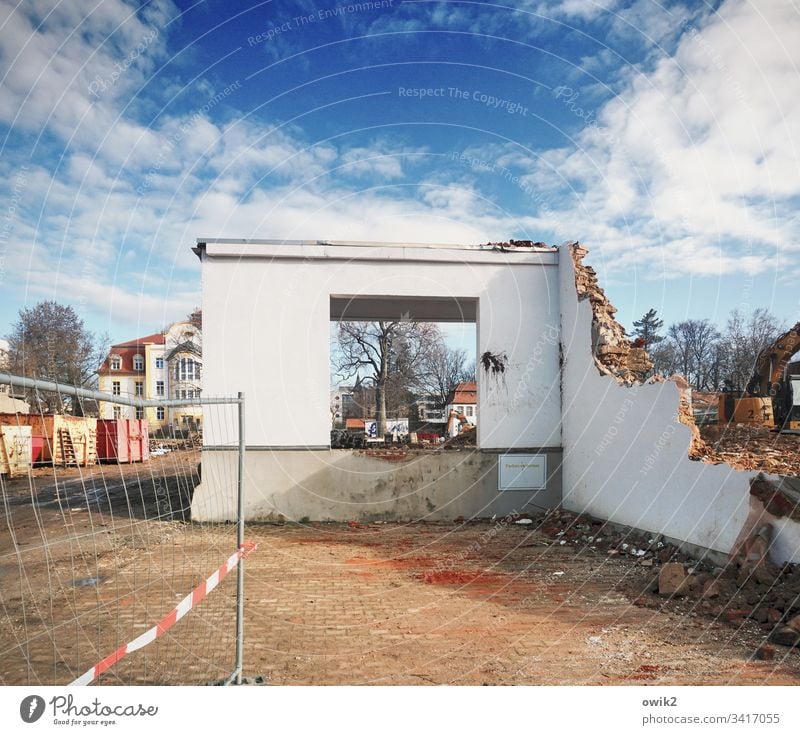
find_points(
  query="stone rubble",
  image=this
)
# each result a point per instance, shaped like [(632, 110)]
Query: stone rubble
[(614, 353), (748, 588), (742, 447)]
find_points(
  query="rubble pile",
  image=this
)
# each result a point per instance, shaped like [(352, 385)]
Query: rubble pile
[(516, 244), (567, 528), (613, 352), (467, 438), (751, 448), (748, 587), (698, 449)]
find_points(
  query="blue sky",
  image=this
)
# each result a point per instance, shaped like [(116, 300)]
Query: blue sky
[(661, 135)]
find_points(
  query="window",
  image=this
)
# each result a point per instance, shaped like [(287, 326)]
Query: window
[(139, 387), (115, 389), (116, 362), (160, 413), (139, 412), (187, 369), (117, 412), (138, 362), (159, 387), (177, 393), (159, 363), (469, 410), (190, 393)]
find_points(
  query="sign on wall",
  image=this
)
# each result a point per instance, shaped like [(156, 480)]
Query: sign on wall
[(522, 472)]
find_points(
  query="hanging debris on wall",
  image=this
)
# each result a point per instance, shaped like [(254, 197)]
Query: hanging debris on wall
[(511, 245), (614, 353)]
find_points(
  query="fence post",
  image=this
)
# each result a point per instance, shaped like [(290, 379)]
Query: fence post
[(240, 543)]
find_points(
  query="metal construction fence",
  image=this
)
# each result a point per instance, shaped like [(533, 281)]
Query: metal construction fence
[(103, 575)]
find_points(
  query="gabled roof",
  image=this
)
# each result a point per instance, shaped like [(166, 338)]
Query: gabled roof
[(151, 339), (466, 393)]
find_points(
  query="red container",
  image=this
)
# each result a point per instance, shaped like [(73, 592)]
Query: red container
[(122, 440), (37, 445)]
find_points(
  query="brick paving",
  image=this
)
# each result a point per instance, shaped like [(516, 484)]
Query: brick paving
[(473, 604)]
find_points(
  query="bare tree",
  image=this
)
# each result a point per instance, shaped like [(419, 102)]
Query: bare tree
[(51, 342), (443, 369), (694, 343), (745, 338), (388, 354)]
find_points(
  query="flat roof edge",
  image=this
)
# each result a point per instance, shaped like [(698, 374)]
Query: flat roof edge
[(378, 252)]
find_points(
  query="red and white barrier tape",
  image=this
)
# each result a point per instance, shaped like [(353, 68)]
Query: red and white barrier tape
[(197, 595)]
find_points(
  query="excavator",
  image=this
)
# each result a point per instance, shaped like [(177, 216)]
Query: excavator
[(457, 423), (772, 397)]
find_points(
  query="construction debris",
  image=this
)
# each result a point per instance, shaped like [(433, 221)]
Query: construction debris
[(519, 244), (748, 588), (750, 448), (467, 438), (742, 447), (614, 353)]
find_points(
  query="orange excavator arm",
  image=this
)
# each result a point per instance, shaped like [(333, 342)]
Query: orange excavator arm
[(772, 362)]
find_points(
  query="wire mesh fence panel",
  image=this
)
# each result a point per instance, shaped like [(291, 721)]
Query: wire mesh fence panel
[(98, 546)]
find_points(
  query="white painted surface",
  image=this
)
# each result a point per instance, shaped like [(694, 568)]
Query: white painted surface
[(266, 332), (626, 453)]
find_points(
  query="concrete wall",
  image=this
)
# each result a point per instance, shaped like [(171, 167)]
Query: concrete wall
[(343, 485), (266, 316), (626, 453)]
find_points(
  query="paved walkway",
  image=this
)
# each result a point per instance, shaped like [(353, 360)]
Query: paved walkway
[(478, 604)]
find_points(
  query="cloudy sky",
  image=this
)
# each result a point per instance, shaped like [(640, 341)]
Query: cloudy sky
[(661, 135)]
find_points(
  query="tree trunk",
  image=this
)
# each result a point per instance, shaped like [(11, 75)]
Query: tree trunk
[(380, 394), (380, 409)]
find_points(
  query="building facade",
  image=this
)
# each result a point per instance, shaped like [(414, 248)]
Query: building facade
[(159, 366), (463, 399)]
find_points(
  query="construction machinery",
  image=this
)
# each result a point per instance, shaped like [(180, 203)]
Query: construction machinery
[(457, 423), (772, 397)]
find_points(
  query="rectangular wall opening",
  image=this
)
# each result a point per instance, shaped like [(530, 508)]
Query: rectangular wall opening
[(404, 364)]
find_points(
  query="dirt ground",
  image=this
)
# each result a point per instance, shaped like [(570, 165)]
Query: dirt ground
[(94, 557)]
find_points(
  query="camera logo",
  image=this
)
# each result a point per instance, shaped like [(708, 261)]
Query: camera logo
[(31, 708)]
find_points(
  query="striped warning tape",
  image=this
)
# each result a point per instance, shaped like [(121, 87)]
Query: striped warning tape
[(197, 595)]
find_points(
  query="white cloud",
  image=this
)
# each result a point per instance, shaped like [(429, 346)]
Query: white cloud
[(701, 149)]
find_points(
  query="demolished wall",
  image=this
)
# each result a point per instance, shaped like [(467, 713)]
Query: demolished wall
[(626, 447)]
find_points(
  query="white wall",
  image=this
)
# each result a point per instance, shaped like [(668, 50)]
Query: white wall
[(266, 314), (626, 453)]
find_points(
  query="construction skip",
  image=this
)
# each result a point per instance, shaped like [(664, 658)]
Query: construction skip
[(558, 385)]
